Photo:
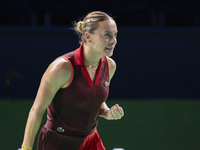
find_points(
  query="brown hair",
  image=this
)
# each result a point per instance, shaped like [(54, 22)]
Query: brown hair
[(90, 23)]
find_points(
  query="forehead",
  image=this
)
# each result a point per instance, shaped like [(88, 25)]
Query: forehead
[(107, 25)]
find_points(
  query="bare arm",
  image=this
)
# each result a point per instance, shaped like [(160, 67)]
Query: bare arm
[(103, 110), (115, 112), (57, 75), (112, 67)]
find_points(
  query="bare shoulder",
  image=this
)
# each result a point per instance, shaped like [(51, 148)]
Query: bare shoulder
[(112, 66), (61, 63), (60, 66), (59, 72), (57, 75)]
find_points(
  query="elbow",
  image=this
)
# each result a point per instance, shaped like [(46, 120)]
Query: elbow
[(36, 111)]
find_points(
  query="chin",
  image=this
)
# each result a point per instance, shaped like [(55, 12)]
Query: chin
[(109, 55)]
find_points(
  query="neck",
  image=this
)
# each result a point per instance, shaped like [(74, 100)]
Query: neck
[(89, 56)]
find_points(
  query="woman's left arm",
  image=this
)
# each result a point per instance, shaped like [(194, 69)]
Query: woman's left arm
[(115, 112)]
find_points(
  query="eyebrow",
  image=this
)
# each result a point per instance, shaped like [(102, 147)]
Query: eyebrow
[(111, 32)]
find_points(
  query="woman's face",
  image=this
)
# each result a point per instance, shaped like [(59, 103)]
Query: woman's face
[(103, 40)]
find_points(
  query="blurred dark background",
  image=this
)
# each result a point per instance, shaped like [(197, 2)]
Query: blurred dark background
[(145, 13), (157, 54), (157, 81)]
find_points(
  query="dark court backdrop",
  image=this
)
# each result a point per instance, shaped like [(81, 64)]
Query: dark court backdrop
[(157, 54), (151, 62), (157, 81)]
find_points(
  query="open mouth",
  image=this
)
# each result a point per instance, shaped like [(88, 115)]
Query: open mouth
[(110, 49)]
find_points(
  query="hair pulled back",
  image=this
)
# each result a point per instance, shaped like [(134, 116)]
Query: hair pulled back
[(90, 23)]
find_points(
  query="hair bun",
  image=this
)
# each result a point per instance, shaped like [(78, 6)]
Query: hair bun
[(79, 26), (89, 24)]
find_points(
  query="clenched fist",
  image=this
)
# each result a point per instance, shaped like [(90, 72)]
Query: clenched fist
[(116, 112)]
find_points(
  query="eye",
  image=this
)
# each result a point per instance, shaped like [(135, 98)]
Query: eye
[(107, 35)]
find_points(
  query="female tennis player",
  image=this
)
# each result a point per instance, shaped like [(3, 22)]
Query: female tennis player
[(74, 89)]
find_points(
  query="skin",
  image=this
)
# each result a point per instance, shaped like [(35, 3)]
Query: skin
[(59, 73), (103, 42)]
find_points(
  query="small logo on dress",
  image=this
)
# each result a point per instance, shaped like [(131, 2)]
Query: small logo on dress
[(60, 129), (106, 83)]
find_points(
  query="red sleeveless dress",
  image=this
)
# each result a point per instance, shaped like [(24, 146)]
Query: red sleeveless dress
[(73, 113)]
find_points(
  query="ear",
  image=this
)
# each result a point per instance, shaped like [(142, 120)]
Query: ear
[(88, 36)]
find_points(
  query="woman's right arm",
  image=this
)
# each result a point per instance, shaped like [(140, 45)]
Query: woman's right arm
[(57, 75)]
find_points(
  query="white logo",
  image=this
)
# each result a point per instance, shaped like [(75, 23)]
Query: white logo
[(106, 83), (60, 129)]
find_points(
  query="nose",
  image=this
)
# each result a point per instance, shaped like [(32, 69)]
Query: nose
[(113, 40)]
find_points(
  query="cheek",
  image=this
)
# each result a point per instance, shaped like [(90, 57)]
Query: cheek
[(101, 42), (104, 41)]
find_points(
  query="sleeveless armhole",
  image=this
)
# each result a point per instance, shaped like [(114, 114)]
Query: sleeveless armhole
[(108, 68), (72, 71)]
